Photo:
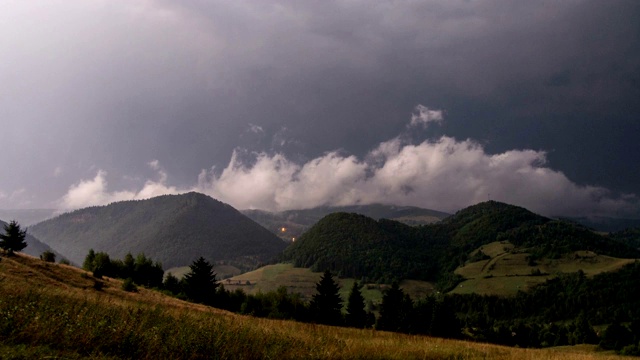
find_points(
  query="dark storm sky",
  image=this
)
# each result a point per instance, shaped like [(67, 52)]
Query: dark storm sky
[(293, 104)]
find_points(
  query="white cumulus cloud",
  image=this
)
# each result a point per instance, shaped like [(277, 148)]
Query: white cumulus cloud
[(95, 191), (444, 174)]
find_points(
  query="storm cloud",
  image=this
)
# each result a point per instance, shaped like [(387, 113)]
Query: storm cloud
[(283, 95)]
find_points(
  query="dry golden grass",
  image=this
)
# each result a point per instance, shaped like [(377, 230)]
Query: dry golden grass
[(57, 312)]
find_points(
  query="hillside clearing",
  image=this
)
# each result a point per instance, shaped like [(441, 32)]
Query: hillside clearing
[(506, 273)]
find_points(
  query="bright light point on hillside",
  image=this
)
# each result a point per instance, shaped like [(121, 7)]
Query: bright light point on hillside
[(293, 239), (283, 229)]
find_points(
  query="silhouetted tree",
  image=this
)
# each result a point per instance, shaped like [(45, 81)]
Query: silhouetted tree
[(171, 284), (13, 238), (444, 322), (326, 304), (583, 332), (200, 282), (356, 313), (616, 337), (102, 266), (146, 272), (395, 310)]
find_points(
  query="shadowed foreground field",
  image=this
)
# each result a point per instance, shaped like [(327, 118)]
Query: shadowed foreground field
[(49, 310)]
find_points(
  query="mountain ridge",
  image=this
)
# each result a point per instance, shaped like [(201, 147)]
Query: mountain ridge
[(388, 250), (172, 229)]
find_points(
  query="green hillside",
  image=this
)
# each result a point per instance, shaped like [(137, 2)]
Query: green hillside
[(173, 229), (357, 246), (354, 245)]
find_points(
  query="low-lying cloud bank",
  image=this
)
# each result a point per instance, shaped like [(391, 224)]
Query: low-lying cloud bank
[(444, 174)]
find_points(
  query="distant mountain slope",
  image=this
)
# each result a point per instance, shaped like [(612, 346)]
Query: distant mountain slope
[(173, 229), (27, 217), (356, 246), (34, 247), (293, 223)]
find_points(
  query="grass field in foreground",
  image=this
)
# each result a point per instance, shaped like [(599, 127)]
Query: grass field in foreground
[(56, 311)]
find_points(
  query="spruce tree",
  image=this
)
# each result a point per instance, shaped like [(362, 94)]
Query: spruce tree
[(13, 238), (326, 304), (200, 282), (395, 310), (356, 314)]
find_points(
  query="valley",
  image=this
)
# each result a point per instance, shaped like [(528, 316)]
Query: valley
[(483, 273)]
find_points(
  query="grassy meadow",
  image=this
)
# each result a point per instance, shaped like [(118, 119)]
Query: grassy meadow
[(303, 281), (506, 273), (56, 311)]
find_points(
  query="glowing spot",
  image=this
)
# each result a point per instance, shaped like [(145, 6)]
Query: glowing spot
[(293, 239), (283, 229)]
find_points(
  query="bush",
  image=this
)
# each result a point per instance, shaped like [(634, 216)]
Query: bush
[(48, 256), (129, 286)]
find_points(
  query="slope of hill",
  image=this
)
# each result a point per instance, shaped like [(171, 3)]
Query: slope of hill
[(56, 311), (356, 246), (173, 229), (480, 224), (629, 236), (293, 223), (34, 247), (503, 271)]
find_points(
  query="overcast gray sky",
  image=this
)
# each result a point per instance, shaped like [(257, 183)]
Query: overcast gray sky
[(293, 104)]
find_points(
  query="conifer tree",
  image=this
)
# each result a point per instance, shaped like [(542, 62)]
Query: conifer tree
[(326, 304), (200, 282), (356, 314), (395, 310), (13, 238)]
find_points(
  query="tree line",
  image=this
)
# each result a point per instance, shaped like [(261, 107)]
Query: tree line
[(562, 311)]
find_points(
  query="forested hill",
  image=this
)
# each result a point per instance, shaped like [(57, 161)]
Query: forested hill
[(480, 224), (173, 229), (34, 247), (356, 246)]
